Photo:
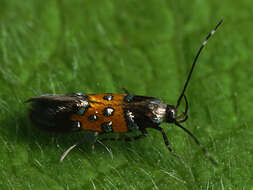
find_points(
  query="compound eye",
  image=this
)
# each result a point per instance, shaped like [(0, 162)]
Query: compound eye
[(171, 114), (174, 113)]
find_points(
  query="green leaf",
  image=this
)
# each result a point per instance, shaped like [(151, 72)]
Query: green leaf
[(146, 47)]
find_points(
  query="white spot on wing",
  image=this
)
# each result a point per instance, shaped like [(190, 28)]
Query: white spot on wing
[(130, 114), (78, 124), (83, 103), (109, 111)]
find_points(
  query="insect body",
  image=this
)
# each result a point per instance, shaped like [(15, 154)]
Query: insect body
[(111, 113), (102, 113)]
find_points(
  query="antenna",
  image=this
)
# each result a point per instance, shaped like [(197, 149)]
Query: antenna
[(195, 61)]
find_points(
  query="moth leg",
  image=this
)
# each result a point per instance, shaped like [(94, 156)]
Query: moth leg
[(126, 139), (183, 120), (165, 138)]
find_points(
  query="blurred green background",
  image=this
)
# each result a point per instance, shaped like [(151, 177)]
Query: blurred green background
[(147, 47)]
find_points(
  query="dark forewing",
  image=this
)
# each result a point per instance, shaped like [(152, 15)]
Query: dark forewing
[(52, 112), (95, 112), (139, 109)]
